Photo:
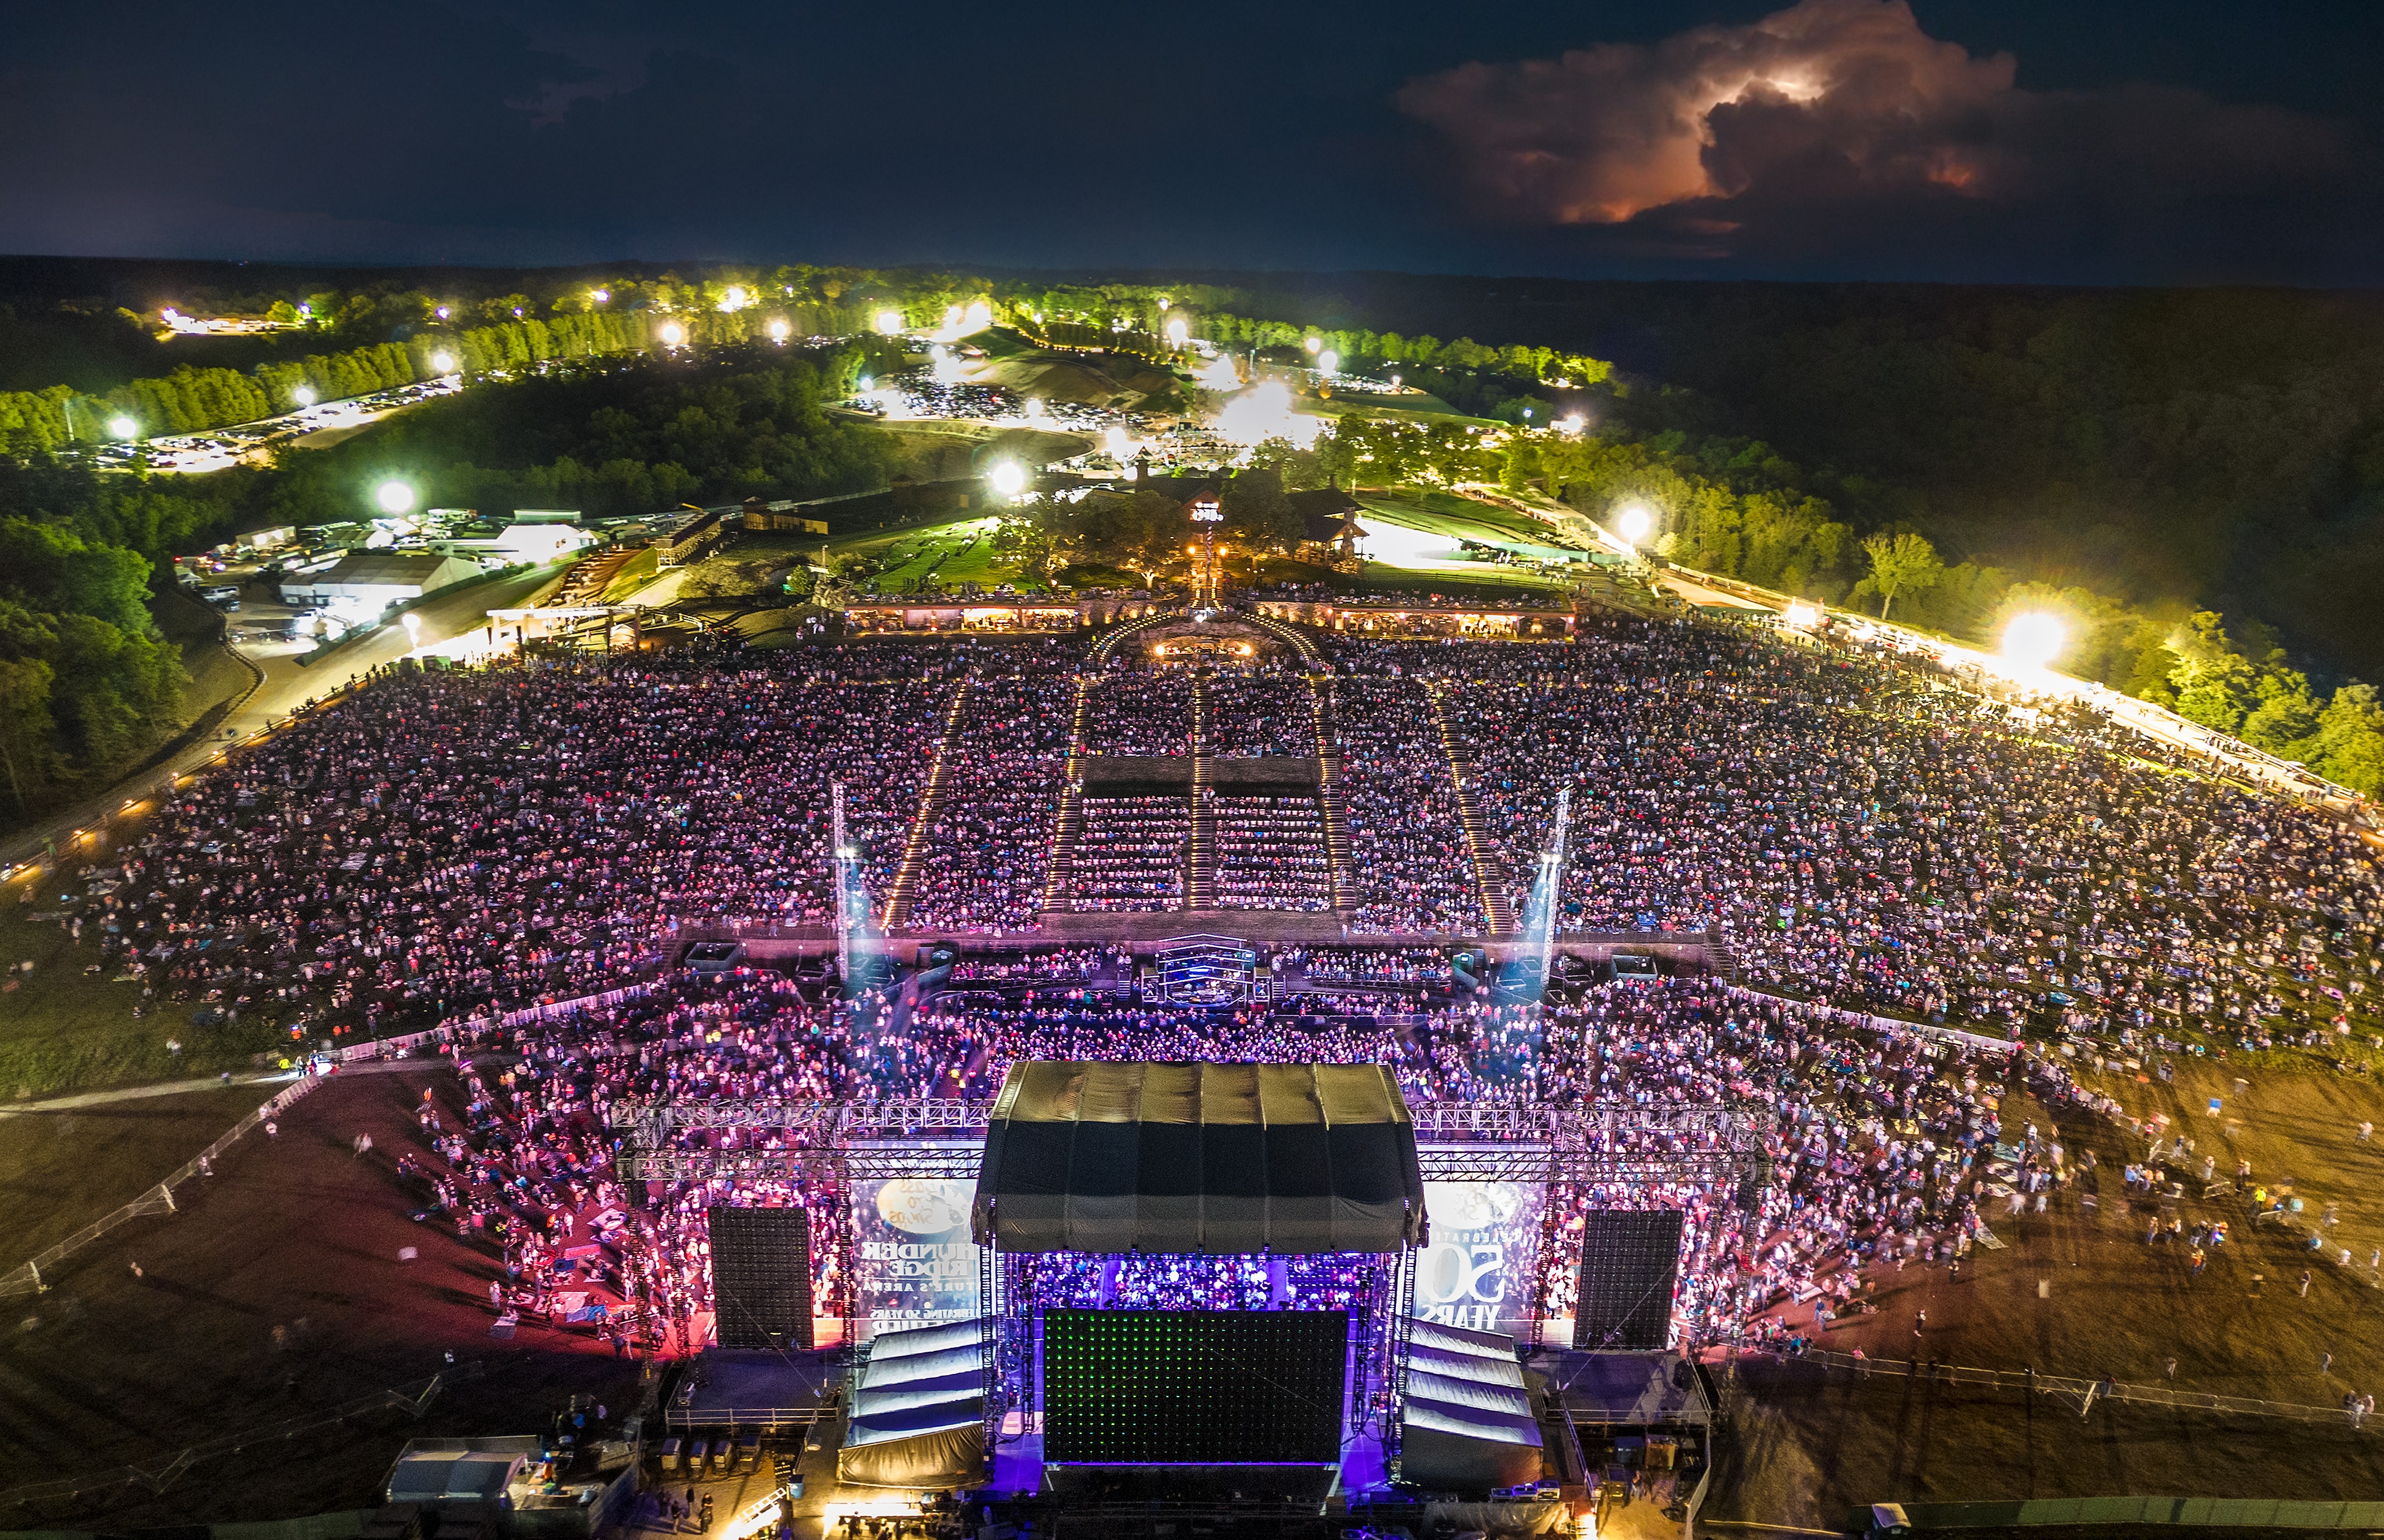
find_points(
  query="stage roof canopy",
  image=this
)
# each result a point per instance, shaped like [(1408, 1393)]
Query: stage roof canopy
[(1110, 1157)]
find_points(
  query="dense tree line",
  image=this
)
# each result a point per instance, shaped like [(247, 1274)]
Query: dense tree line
[(87, 683), (627, 438)]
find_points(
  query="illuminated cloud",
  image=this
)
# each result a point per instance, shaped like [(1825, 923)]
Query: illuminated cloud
[(1720, 134)]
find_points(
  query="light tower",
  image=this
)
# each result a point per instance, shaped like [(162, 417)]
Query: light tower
[(1550, 890), (842, 862), (1206, 516)]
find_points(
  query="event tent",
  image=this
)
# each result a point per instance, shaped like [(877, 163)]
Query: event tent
[(918, 1414), (1112, 1158)]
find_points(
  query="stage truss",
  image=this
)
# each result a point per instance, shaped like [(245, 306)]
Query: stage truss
[(831, 1145)]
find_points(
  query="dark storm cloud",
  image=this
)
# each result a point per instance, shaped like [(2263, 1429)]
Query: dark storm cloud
[(1835, 139), (1839, 129)]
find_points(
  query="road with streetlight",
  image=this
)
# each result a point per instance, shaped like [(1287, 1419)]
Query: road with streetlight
[(287, 687)]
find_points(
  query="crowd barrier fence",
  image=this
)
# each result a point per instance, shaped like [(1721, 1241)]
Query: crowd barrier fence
[(2085, 1392)]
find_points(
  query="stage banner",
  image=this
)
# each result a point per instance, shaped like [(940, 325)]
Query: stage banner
[(1478, 1274), (914, 1263)]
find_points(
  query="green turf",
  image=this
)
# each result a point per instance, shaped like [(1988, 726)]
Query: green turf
[(62, 1029), (1437, 411), (1001, 342), (1379, 576), (1454, 517)]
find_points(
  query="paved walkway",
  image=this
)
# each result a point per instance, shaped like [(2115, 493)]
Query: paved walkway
[(287, 688), (137, 1093), (216, 1083)]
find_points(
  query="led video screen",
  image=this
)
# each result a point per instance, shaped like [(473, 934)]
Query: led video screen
[(762, 1277), (1630, 1260), (1193, 1387)]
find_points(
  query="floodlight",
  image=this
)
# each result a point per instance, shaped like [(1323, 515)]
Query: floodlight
[(2034, 640), (598, 296), (394, 497), (889, 322), (304, 395), (779, 329), (1635, 522), (1009, 477), (124, 427), (443, 361), (1315, 344), (672, 334), (1329, 361)]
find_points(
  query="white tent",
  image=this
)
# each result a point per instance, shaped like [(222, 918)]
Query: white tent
[(1468, 1423), (918, 1414)]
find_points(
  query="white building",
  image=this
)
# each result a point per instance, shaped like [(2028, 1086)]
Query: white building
[(364, 583)]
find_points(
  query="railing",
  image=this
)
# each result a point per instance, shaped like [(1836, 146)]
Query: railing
[(156, 1477), (27, 1278), (2086, 1391), (747, 1417)]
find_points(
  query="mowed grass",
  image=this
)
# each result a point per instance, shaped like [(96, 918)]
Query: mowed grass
[(959, 551), (65, 1029), (1454, 517)]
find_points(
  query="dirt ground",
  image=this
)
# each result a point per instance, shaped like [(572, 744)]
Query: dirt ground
[(304, 1234), (2077, 1292), (299, 1235)]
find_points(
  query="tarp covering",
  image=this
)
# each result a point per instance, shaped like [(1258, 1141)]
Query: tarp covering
[(918, 1414), (1468, 1422), (1296, 1159)]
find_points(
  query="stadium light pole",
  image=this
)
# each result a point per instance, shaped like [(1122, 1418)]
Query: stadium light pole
[(1632, 522)]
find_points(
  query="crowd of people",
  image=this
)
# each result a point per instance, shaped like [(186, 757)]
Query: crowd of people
[(445, 844), (1271, 853), (1251, 716), (1851, 825), (984, 862), (1131, 853), (1860, 830), (1135, 714), (1407, 837), (1889, 1146)]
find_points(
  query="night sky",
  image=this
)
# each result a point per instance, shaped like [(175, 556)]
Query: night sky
[(1958, 140)]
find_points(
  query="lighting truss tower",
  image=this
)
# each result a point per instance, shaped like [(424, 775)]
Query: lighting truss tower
[(842, 862), (1550, 888)]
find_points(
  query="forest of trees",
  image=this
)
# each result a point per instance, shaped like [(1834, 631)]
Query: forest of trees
[(87, 684), (2195, 479)]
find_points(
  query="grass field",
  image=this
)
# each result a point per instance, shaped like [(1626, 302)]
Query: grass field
[(63, 1029), (60, 1169), (1426, 409), (635, 574), (958, 551), (1455, 519)]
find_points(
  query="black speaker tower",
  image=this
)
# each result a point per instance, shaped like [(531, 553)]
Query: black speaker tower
[(762, 1277), (1629, 1260)]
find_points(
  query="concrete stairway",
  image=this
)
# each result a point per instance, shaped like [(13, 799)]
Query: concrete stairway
[(931, 802), (1488, 875)]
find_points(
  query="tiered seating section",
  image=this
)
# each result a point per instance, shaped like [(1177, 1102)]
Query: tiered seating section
[(1271, 855), (1131, 853)]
